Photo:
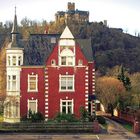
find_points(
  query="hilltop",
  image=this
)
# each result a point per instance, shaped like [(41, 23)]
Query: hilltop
[(110, 46)]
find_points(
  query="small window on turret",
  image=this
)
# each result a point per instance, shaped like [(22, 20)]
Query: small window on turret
[(14, 82), (14, 61), (19, 60)]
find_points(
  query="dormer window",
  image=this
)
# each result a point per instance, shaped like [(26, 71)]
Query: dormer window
[(67, 58), (53, 40)]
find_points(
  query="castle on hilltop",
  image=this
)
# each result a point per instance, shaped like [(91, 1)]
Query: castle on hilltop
[(72, 15)]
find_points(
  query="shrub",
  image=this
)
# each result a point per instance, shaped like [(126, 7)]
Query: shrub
[(36, 117), (33, 117), (61, 117), (101, 119), (84, 114)]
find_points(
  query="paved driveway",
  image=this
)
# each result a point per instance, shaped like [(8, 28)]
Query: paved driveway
[(116, 131)]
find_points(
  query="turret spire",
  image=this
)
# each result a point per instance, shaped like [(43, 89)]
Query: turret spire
[(15, 10), (14, 31)]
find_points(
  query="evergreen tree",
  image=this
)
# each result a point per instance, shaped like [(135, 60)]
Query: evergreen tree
[(124, 79)]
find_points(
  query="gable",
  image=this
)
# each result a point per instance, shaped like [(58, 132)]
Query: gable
[(38, 48)]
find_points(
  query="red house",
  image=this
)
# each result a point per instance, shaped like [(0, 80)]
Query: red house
[(63, 83), (57, 74)]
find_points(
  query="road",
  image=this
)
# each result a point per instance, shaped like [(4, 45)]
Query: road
[(113, 136)]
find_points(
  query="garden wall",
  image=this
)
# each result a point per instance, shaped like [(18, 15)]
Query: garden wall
[(51, 127), (130, 117)]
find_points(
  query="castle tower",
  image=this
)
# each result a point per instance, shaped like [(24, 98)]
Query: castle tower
[(71, 6), (14, 59)]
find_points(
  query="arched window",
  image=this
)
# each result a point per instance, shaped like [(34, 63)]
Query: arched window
[(53, 62), (16, 109), (67, 58), (9, 110)]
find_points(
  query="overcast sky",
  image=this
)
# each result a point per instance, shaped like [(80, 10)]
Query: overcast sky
[(119, 13)]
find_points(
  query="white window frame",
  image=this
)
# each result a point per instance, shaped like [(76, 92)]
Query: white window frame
[(66, 101), (60, 83), (53, 40), (14, 81), (69, 56), (10, 82), (36, 105), (14, 60), (36, 82), (19, 60)]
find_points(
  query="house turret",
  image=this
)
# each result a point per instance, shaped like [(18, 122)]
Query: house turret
[(14, 60)]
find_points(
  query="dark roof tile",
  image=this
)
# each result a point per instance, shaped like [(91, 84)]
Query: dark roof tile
[(39, 47)]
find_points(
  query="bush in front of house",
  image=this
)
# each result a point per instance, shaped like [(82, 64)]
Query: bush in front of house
[(84, 116), (62, 117), (37, 117), (33, 117)]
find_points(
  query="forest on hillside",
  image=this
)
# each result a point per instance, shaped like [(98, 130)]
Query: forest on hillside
[(110, 46), (116, 54)]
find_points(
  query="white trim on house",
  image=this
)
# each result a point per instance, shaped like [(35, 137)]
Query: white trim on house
[(33, 81), (66, 80), (14, 58), (67, 58), (67, 105), (36, 105)]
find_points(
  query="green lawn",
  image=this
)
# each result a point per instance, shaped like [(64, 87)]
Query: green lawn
[(129, 127)]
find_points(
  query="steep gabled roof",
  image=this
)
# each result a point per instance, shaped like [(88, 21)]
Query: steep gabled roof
[(38, 48), (85, 45)]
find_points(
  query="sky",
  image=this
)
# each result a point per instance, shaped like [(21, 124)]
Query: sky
[(123, 14)]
